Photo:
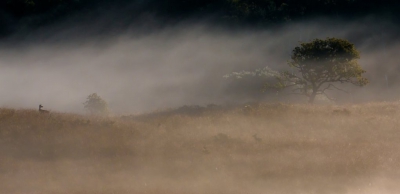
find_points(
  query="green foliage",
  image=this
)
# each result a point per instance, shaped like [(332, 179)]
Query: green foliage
[(317, 66), (320, 64), (330, 60), (95, 105)]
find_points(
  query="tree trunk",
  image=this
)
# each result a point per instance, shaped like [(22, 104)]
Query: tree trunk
[(312, 98)]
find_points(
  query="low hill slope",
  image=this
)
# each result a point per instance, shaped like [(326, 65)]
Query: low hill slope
[(263, 148)]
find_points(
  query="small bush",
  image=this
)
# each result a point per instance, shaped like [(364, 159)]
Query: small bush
[(95, 105)]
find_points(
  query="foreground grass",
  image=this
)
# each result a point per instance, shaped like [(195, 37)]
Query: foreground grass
[(298, 149)]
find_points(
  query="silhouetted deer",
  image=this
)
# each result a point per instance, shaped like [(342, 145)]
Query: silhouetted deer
[(43, 111)]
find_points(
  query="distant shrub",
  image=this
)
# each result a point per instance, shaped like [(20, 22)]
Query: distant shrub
[(95, 105), (222, 138), (343, 111)]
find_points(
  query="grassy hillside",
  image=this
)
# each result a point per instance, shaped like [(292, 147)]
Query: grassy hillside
[(297, 149)]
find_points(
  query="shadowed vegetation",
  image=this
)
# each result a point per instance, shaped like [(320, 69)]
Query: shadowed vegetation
[(19, 15)]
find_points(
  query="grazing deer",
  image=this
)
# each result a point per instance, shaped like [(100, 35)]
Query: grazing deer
[(43, 111)]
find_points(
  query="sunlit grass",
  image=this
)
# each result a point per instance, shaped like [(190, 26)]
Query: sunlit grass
[(300, 149)]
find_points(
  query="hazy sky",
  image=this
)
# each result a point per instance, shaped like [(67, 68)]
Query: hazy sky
[(183, 64)]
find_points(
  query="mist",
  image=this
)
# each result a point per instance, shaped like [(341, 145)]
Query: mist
[(139, 70), (150, 65)]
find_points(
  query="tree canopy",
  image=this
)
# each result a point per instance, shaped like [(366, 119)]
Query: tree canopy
[(320, 64), (317, 66), (95, 105)]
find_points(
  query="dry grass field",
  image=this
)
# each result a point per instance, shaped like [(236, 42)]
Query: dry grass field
[(300, 149)]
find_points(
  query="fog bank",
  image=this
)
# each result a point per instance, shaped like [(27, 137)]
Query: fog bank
[(184, 64)]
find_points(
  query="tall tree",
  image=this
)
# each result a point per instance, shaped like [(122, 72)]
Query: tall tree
[(317, 66), (321, 64)]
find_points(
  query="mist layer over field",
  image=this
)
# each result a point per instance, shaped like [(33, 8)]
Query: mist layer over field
[(183, 64), (261, 148)]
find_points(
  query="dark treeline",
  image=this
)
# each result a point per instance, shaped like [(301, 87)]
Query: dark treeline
[(28, 14)]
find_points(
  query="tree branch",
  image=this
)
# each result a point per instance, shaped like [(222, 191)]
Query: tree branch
[(331, 85)]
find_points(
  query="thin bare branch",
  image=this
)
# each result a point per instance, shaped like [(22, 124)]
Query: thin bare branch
[(331, 85)]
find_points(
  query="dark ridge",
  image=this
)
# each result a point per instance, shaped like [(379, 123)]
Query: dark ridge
[(25, 15)]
